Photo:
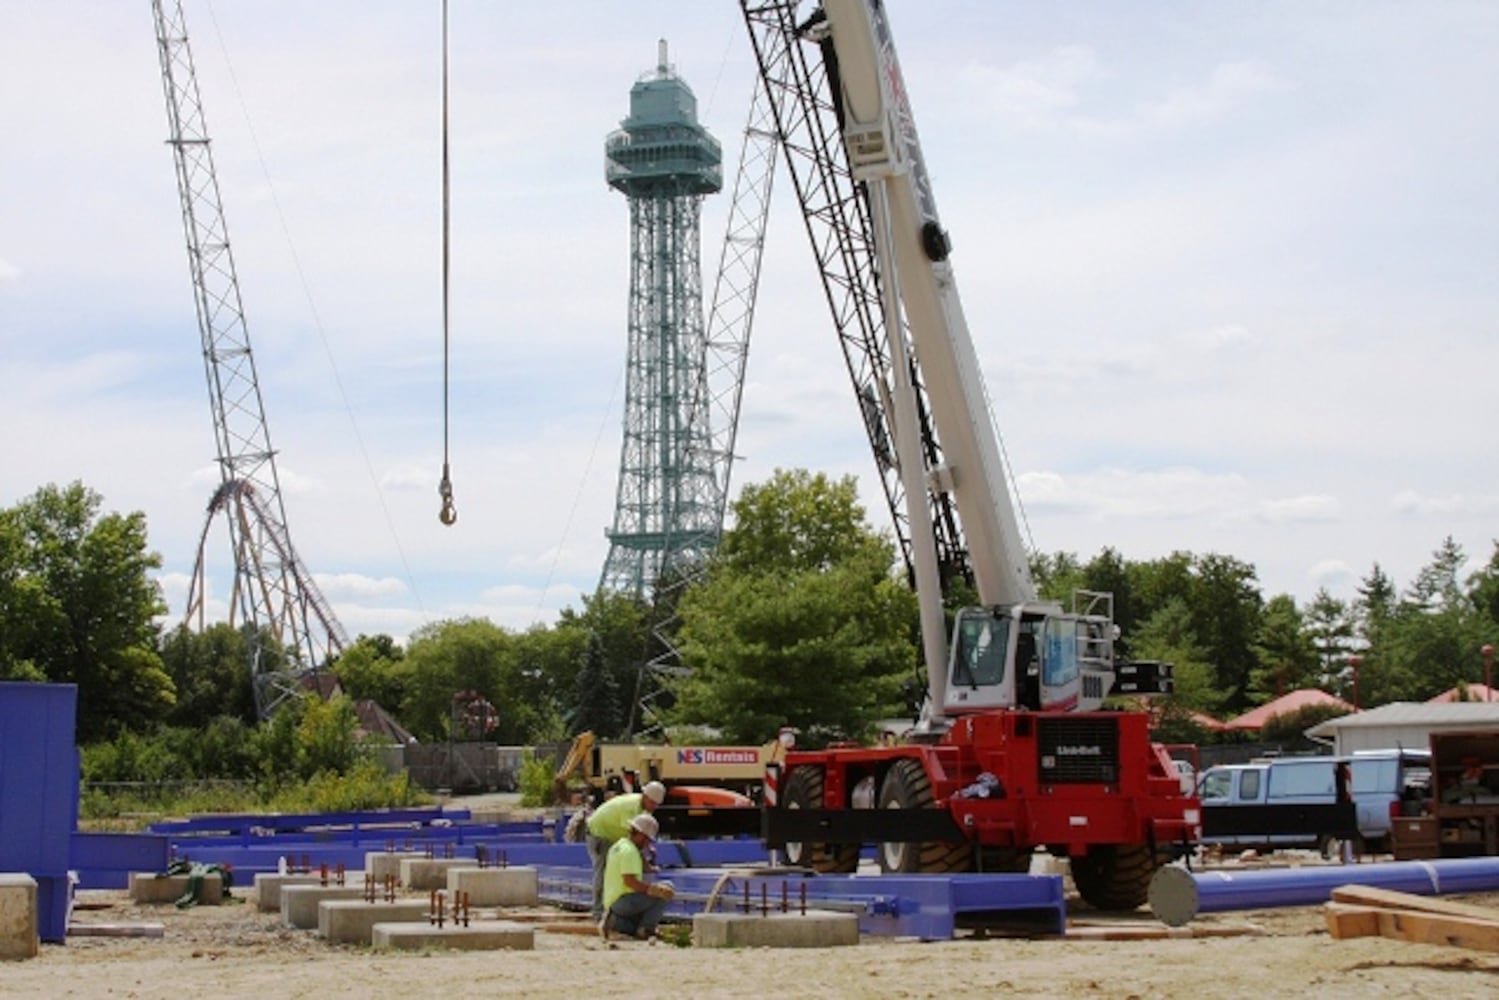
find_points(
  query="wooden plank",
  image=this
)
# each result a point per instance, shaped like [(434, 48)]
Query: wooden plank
[(1153, 932), (1435, 928), (1365, 895), (1345, 920), (571, 928), (117, 930)]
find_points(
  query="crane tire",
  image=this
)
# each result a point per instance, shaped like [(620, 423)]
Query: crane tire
[(803, 790), (906, 786), (1115, 876)]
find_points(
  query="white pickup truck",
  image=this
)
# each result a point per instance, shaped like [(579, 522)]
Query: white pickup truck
[(1288, 801)]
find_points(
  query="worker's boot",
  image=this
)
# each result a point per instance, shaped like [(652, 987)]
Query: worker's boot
[(604, 926)]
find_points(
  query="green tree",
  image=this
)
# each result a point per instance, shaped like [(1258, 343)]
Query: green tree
[(620, 623), (1169, 635), (1226, 612), (77, 604), (598, 706), (1483, 594), (1285, 649), (374, 667), (210, 672), (1431, 641), (1330, 627), (447, 658), (1056, 576), (800, 620)]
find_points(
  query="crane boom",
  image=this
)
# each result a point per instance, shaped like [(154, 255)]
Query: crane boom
[(289, 604), (1026, 762), (883, 150)]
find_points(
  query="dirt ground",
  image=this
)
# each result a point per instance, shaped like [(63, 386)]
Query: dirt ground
[(235, 951)]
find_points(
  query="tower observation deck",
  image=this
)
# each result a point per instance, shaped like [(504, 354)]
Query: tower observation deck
[(668, 513)]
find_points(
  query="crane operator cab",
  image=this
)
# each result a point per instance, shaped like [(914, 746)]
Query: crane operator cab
[(1034, 656)]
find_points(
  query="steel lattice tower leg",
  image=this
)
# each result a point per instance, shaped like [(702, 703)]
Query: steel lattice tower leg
[(668, 513)]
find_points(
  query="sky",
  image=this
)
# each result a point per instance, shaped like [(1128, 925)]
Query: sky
[(1231, 270)]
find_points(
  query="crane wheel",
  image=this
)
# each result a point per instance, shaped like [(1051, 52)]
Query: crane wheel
[(1115, 876), (906, 786), (803, 790)]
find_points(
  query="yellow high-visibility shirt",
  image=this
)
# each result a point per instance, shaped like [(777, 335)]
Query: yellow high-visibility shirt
[(611, 821), (624, 859)]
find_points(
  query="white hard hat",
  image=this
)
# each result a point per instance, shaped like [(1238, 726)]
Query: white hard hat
[(646, 823), (655, 791)]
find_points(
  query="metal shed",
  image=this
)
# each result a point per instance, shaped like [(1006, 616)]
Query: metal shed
[(1405, 724)]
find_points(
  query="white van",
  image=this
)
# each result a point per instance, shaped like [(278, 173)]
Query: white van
[(1385, 783)]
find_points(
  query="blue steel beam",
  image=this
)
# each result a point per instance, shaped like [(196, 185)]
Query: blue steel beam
[(928, 907)]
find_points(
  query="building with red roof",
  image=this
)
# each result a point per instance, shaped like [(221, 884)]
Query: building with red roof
[(1256, 718)]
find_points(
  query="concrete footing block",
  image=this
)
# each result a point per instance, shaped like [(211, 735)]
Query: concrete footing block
[(349, 921), (268, 886), (148, 887), (813, 929), (379, 864), (299, 903), (426, 874), (479, 935), (495, 886), (18, 931)]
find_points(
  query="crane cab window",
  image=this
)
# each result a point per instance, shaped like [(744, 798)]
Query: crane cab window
[(1059, 660), (979, 657)]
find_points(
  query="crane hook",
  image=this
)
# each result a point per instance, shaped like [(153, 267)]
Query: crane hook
[(448, 514)]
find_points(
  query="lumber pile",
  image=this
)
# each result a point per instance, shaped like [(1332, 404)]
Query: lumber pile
[(1364, 911)]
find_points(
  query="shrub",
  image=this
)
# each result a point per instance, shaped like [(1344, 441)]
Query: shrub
[(535, 780)]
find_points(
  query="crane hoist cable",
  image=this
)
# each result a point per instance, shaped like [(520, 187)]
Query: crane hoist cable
[(448, 514)]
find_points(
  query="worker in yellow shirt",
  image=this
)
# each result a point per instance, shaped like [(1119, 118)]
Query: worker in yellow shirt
[(610, 823), (633, 906)]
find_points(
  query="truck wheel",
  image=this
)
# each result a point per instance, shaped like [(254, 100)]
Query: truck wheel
[(907, 786), (804, 791), (1114, 876)]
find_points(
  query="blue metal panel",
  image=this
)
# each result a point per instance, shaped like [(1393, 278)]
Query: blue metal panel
[(371, 826), (54, 901), (105, 860), (929, 907), (38, 777)]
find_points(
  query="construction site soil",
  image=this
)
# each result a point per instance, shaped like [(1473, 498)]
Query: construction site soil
[(235, 951)]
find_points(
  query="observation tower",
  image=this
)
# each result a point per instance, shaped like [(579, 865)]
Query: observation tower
[(668, 514)]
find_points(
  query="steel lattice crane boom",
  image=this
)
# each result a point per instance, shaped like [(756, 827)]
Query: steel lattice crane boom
[(272, 592)]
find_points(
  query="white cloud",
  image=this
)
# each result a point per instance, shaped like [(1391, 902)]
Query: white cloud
[(1125, 493), (1228, 87), (1453, 505), (1306, 508), (1068, 88), (1221, 337), (8, 271), (1037, 93), (410, 477), (357, 585), (1332, 574)]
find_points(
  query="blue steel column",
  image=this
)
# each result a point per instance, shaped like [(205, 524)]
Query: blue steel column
[(668, 512)]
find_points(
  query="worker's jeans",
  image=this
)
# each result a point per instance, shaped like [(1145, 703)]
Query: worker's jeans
[(635, 914), (598, 851)]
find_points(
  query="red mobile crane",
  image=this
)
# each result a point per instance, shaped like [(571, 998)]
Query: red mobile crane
[(1012, 752)]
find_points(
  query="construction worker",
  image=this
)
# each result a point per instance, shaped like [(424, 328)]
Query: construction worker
[(610, 823), (633, 906)]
